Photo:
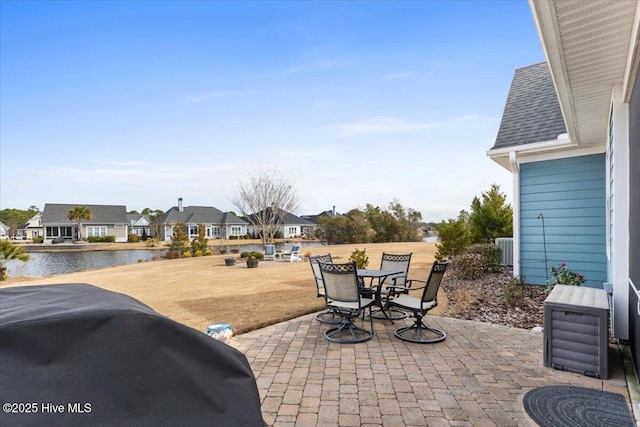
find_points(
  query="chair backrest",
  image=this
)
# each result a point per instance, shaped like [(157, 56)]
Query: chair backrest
[(340, 281), (295, 249), (430, 292), (313, 260), (396, 262), (269, 250)]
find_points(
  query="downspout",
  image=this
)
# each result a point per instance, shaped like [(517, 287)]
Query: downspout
[(515, 170)]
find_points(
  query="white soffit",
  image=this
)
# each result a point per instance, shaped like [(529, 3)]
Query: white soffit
[(586, 44)]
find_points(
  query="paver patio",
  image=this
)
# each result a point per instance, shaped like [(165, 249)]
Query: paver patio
[(476, 377)]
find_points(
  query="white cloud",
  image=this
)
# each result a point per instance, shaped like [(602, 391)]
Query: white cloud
[(325, 64), (388, 125), (204, 97)]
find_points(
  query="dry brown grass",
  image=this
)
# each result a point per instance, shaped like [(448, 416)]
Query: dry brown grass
[(201, 291)]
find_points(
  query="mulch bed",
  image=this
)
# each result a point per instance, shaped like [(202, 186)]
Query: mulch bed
[(483, 300)]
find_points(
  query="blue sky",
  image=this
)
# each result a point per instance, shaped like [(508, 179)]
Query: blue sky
[(139, 103)]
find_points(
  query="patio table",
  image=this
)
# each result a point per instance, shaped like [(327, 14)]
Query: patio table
[(375, 290)]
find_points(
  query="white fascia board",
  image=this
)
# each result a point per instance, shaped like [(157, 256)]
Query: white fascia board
[(553, 155), (544, 16), (633, 57), (502, 155)]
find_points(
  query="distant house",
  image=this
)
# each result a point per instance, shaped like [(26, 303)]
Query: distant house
[(33, 228), (107, 220), (217, 224), (570, 135), (324, 214), (4, 231), (139, 224), (289, 225)]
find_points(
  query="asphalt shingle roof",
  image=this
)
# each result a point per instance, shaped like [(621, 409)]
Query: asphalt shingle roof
[(198, 215), (532, 112), (57, 213)]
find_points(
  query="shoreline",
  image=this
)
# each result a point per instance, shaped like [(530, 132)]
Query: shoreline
[(128, 246)]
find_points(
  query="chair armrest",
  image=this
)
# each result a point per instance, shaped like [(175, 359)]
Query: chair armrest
[(409, 286), (401, 289)]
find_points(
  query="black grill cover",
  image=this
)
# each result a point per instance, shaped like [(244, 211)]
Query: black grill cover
[(78, 355)]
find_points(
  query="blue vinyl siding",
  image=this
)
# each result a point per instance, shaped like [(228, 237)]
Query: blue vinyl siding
[(571, 194)]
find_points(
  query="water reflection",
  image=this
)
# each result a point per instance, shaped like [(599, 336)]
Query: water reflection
[(47, 263)]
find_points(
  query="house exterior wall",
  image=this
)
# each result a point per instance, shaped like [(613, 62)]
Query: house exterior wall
[(634, 223), (118, 231), (570, 195)]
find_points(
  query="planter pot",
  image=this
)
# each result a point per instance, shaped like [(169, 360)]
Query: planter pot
[(229, 261), (252, 263)]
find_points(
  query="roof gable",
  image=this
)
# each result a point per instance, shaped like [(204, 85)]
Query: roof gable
[(532, 112)]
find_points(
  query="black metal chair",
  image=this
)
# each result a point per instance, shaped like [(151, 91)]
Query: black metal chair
[(396, 281), (343, 297), (419, 332), (328, 315)]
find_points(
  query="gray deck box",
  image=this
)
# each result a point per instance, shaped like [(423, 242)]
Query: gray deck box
[(576, 330)]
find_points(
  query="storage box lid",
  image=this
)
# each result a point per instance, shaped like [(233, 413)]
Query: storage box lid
[(578, 296)]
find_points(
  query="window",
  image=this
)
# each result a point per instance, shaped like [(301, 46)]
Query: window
[(193, 230), (293, 231), (52, 231), (96, 230), (236, 230)]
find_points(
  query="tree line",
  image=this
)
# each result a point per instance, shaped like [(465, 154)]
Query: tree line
[(372, 225)]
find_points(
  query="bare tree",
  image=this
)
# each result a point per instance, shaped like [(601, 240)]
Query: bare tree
[(263, 200)]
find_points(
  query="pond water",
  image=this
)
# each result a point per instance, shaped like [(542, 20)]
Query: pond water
[(61, 262), (46, 263)]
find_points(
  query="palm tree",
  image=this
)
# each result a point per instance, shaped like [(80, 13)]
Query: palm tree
[(79, 214), (8, 252)]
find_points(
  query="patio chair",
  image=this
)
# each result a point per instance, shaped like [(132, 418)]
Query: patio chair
[(343, 297), (393, 262), (294, 255), (270, 252), (328, 315), (419, 332)]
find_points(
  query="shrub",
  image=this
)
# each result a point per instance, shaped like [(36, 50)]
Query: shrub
[(563, 276), (133, 238), (360, 257), (186, 254), (254, 254), (101, 239), (513, 292), (173, 254), (454, 238), (152, 242), (491, 254), (235, 251), (468, 266), (208, 252), (38, 239), (197, 253)]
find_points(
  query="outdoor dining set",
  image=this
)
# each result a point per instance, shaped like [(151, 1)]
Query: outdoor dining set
[(386, 293)]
